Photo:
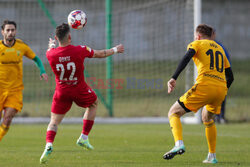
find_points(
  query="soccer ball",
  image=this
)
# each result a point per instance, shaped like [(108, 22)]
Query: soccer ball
[(77, 19)]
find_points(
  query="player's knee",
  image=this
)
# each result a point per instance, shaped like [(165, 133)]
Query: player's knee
[(170, 112), (7, 120), (208, 123), (176, 109), (205, 118)]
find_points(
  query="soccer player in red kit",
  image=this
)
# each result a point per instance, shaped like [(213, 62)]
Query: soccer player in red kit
[(67, 63)]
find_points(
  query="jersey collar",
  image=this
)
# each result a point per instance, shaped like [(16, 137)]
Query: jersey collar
[(7, 45)]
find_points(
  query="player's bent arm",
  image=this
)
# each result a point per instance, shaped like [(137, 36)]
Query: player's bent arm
[(108, 52), (41, 68), (39, 64), (183, 63), (229, 76)]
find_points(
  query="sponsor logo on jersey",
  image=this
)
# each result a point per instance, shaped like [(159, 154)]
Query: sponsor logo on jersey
[(213, 76), (10, 62)]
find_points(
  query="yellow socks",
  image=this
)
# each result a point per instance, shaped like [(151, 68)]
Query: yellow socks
[(3, 130), (211, 134), (175, 124)]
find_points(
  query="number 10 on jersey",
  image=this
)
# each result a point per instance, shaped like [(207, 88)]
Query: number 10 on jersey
[(218, 64)]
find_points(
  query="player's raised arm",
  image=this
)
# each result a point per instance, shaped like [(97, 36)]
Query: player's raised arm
[(108, 52), (51, 44)]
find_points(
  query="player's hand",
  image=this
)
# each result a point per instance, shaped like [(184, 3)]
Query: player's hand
[(120, 48), (52, 43), (44, 76), (171, 85)]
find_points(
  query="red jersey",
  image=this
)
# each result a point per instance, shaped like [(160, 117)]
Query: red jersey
[(67, 63)]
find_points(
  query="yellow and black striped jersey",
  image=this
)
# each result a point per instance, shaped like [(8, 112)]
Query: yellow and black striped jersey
[(211, 61)]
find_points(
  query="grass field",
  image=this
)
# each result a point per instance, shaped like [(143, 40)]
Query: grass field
[(124, 145)]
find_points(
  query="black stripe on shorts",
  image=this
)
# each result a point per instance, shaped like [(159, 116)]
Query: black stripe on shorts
[(183, 106)]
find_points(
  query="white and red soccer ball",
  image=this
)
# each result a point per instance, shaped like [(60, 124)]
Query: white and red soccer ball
[(77, 19)]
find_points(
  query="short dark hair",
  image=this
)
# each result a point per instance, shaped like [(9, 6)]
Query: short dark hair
[(8, 22), (61, 31), (205, 30)]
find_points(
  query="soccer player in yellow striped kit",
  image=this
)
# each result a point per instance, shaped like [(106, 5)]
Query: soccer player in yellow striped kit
[(11, 74), (214, 78)]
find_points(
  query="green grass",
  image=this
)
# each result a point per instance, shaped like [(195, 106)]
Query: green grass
[(124, 145)]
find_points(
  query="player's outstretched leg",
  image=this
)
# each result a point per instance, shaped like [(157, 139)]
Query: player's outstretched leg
[(50, 136), (176, 150), (211, 159), (175, 112), (46, 153)]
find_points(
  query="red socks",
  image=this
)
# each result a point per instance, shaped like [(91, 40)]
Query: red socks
[(87, 126), (50, 136)]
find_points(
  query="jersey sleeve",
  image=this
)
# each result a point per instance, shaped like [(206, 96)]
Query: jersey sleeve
[(193, 45), (88, 52), (29, 52)]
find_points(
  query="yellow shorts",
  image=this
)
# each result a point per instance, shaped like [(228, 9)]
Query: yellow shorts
[(203, 95), (13, 99)]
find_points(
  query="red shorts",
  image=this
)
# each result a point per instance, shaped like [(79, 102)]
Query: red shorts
[(63, 99)]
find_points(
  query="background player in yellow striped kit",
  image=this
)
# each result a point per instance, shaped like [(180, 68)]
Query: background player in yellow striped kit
[(214, 78), (12, 51)]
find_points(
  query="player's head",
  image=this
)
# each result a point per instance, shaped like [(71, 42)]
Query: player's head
[(9, 30), (63, 33), (203, 31)]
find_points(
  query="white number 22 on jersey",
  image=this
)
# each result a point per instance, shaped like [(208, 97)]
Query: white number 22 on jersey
[(70, 66)]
